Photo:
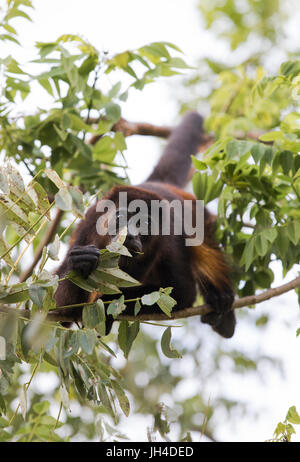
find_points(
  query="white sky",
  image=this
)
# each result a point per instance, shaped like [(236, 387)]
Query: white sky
[(117, 25)]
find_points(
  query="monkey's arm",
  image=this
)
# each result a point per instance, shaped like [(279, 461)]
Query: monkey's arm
[(82, 256), (83, 259)]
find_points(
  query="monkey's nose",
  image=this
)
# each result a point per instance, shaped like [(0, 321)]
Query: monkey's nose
[(133, 243)]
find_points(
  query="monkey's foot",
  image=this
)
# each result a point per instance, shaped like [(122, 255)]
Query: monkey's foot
[(220, 300), (222, 318)]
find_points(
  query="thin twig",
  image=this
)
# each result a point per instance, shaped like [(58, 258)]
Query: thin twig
[(91, 99), (23, 251), (27, 385), (48, 238)]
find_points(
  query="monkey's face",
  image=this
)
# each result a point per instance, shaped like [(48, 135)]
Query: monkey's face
[(131, 208), (138, 230)]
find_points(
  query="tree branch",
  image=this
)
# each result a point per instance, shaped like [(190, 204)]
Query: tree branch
[(58, 316), (141, 128), (134, 128), (204, 309)]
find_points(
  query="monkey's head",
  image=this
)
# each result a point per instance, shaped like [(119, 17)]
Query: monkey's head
[(131, 208)]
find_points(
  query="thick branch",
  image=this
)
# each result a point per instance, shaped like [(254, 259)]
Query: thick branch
[(58, 316)]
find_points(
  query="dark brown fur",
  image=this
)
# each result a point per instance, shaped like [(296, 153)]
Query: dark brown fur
[(166, 260)]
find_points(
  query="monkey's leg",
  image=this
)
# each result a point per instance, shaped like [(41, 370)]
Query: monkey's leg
[(215, 286), (222, 319)]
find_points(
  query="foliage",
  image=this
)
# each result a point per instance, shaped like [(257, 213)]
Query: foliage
[(253, 167), (243, 19), (284, 430)]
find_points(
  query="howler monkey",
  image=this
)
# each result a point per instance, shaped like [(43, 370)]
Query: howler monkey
[(158, 260)]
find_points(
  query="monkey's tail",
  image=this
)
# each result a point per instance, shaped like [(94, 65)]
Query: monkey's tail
[(175, 162)]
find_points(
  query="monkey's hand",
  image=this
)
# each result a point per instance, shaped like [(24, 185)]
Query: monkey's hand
[(222, 319), (83, 259)]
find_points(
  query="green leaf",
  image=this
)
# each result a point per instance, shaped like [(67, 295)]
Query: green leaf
[(282, 242), (150, 299), (42, 407), (37, 294), (127, 334), (46, 85), (280, 429), (13, 13), (286, 161), (236, 149), (113, 111), (117, 247), (166, 347), (63, 200), (105, 399), (87, 341), (54, 177), (4, 186), (73, 345), (293, 231), (3, 248), (270, 234), (80, 282), (105, 150), (206, 187), (290, 68), (3, 422), (271, 136), (92, 315), (166, 303), (261, 245), (248, 254), (137, 307), (14, 294), (116, 276), (199, 164), (53, 248), (257, 152), (293, 416), (122, 398), (77, 201), (116, 307)]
